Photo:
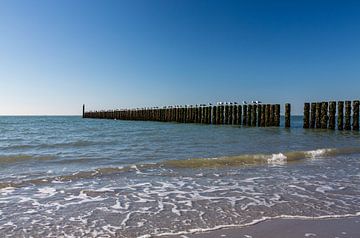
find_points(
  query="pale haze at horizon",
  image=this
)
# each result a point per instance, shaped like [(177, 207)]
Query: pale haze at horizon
[(56, 56)]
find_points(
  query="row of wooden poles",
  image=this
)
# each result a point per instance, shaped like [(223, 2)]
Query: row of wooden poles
[(262, 115), (324, 114)]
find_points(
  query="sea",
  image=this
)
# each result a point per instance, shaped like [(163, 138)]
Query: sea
[(64, 176)]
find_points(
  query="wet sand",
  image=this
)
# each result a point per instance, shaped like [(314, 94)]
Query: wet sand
[(290, 228)]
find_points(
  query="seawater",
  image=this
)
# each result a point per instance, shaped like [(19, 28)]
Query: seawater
[(74, 177)]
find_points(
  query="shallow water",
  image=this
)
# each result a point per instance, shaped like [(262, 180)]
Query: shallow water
[(63, 176)]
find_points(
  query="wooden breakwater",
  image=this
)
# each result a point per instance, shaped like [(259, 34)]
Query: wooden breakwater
[(330, 115), (252, 115)]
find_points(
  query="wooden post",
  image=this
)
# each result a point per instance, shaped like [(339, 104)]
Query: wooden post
[(221, 115), (226, 120), (83, 114), (347, 115), (198, 115), (306, 123), (263, 113), (201, 115), (318, 115), (267, 115), (277, 115), (213, 114), (271, 118), (287, 115), (324, 115), (249, 114), (254, 116), (205, 115), (217, 115), (235, 115), (239, 115), (332, 113), (356, 115), (272, 115), (208, 115), (340, 115), (313, 115), (259, 115), (231, 114), (245, 117)]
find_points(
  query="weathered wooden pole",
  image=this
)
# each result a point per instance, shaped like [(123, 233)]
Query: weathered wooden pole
[(254, 116), (201, 115), (213, 114), (235, 115), (218, 117), (340, 115), (173, 114), (347, 115), (287, 115), (222, 115), (249, 114), (179, 116), (245, 116), (318, 115), (259, 108), (83, 114), (226, 120), (205, 115), (313, 115), (196, 115), (306, 119), (356, 115), (239, 115), (324, 115), (231, 114), (271, 119), (191, 111), (208, 115), (267, 115), (263, 113), (272, 115), (332, 113), (277, 115)]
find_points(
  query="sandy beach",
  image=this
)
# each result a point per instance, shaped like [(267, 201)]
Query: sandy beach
[(290, 228)]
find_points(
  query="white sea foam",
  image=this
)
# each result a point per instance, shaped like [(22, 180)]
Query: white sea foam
[(277, 159), (256, 221), (317, 153), (6, 191), (46, 192), (323, 189)]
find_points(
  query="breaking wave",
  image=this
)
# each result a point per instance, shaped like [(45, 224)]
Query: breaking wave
[(258, 159), (195, 163)]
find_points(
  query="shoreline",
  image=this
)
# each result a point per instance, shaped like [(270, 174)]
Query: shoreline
[(286, 227)]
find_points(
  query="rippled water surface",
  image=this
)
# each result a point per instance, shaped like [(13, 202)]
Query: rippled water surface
[(67, 176)]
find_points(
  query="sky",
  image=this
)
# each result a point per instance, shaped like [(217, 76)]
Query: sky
[(57, 55)]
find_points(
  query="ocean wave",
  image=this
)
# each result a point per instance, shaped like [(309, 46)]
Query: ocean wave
[(258, 159), (195, 163)]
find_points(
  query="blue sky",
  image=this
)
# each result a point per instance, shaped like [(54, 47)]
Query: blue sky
[(57, 55)]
